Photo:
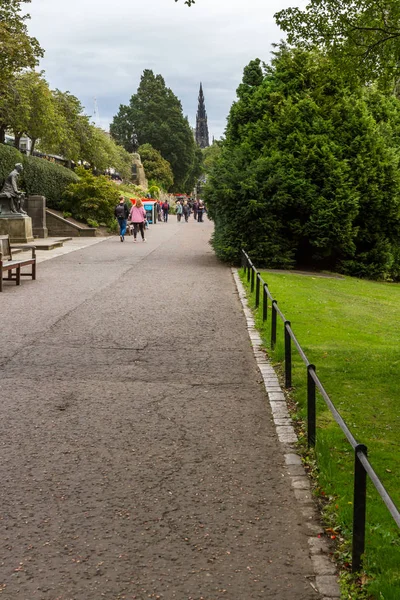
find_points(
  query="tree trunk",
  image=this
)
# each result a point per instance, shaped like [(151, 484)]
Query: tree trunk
[(17, 139), (33, 142), (2, 134)]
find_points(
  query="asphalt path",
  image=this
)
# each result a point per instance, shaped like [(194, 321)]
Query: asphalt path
[(138, 456)]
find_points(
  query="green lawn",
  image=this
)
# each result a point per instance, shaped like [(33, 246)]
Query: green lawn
[(350, 329)]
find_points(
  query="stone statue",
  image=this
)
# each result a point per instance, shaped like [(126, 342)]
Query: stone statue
[(11, 198)]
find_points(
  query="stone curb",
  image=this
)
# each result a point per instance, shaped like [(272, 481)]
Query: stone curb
[(326, 580)]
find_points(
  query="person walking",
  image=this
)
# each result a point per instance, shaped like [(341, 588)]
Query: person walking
[(200, 210), (159, 210), (179, 210), (186, 210), (121, 213), (165, 209), (138, 217)]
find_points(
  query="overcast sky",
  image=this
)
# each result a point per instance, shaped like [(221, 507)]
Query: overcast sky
[(99, 49)]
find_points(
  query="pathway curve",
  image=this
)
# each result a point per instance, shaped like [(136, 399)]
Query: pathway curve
[(138, 457)]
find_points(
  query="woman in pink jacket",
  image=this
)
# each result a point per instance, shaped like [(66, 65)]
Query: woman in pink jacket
[(137, 216)]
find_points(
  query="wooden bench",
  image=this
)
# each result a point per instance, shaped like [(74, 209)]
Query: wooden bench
[(13, 266)]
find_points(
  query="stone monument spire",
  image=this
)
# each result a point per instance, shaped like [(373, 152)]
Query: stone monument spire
[(201, 122)]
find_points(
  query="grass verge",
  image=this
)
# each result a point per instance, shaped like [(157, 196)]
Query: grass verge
[(350, 329)]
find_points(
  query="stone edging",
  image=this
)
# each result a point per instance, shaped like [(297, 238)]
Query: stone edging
[(324, 568)]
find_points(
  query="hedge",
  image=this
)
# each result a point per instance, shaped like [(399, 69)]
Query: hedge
[(47, 179), (39, 176), (8, 157)]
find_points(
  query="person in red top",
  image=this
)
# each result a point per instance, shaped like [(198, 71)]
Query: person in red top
[(137, 216)]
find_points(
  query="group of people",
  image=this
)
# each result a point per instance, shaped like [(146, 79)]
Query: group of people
[(162, 209), (185, 209), (138, 218), (136, 215)]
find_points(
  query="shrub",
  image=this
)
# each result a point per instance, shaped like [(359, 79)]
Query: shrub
[(8, 157), (46, 179), (113, 226), (91, 199), (154, 191)]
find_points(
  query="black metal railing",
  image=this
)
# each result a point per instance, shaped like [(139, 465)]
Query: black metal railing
[(362, 466)]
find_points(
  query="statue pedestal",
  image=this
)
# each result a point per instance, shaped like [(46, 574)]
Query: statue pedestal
[(18, 227), (35, 206)]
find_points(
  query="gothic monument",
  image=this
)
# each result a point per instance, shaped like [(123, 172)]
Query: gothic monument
[(201, 122)]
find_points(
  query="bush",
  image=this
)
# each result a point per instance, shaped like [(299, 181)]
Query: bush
[(154, 191), (91, 199), (39, 175), (46, 179), (8, 157)]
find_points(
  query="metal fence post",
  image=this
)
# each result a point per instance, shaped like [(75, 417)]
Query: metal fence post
[(252, 280), (265, 302), (359, 509), (243, 260), (273, 324), (258, 290), (311, 408), (288, 356), (248, 270)]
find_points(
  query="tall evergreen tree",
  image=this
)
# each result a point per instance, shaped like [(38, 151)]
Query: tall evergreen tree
[(154, 116), (308, 173)]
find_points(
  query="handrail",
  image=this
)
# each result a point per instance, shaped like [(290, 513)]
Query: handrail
[(362, 465)]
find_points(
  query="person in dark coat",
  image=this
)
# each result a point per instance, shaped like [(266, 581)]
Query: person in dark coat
[(195, 207), (186, 210), (122, 213), (165, 209), (200, 211)]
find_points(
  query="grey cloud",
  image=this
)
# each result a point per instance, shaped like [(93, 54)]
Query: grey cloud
[(101, 49)]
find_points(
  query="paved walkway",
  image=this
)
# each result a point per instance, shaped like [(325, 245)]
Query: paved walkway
[(138, 457)]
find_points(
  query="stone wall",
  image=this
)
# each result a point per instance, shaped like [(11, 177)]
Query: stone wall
[(60, 227)]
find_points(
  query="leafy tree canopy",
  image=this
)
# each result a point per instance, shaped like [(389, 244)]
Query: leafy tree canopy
[(17, 49), (154, 116), (156, 167), (195, 171), (210, 155), (364, 35)]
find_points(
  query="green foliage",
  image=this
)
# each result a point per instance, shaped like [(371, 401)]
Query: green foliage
[(130, 189), (154, 116), (46, 179), (156, 167), (364, 35), (154, 191), (195, 171), (210, 155), (309, 171), (113, 226), (74, 125), (39, 176), (17, 49), (9, 156), (28, 108), (91, 199)]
